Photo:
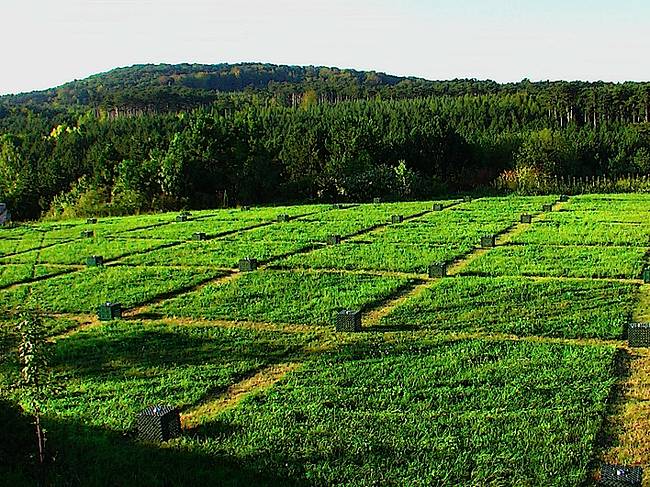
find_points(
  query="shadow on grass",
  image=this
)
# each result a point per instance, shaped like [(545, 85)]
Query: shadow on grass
[(97, 351), (606, 438), (80, 455)]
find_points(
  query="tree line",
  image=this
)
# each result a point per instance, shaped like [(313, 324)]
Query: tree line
[(252, 147)]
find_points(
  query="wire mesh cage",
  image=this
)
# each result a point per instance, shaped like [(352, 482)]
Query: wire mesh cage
[(620, 476), (638, 335), (348, 320), (488, 241), (247, 265), (95, 261), (438, 269), (109, 311), (159, 423)]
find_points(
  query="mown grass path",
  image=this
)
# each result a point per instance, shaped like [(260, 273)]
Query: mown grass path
[(626, 429)]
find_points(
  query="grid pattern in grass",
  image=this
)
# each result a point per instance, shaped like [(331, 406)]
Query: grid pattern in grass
[(10, 246), (85, 290), (521, 306), (224, 253), (284, 297), (375, 214), (564, 261), (377, 255), (75, 253), (306, 231), (16, 273), (464, 413), (110, 373)]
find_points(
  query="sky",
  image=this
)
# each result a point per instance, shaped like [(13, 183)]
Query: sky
[(46, 43)]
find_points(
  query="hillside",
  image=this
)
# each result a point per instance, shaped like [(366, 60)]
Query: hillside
[(484, 348), (165, 86)]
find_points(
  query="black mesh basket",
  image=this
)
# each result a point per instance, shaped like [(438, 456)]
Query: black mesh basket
[(334, 240), (620, 476), (437, 207), (638, 335), (547, 208), (199, 236), (159, 423), (247, 265), (109, 311), (525, 218), (95, 261), (397, 218), (348, 320), (488, 241), (439, 269)]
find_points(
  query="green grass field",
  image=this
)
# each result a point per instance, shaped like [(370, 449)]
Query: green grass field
[(499, 374)]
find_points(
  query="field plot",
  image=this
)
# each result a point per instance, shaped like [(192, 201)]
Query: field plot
[(376, 256), (628, 203), (75, 252), (284, 297), (508, 207), (16, 273), (11, 246), (584, 233), (84, 291), (115, 369), (181, 231), (567, 215), (306, 231), (262, 213), (467, 413), (499, 373), (221, 253), (560, 261), (520, 306), (375, 214)]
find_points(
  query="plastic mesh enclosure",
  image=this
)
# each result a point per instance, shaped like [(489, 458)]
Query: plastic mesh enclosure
[(159, 423), (348, 320)]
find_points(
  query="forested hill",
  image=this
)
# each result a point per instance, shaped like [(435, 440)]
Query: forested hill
[(162, 137), (166, 87)]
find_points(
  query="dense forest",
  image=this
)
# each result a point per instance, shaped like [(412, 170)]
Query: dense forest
[(163, 137)]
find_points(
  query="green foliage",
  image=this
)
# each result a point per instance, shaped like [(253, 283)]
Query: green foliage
[(34, 355)]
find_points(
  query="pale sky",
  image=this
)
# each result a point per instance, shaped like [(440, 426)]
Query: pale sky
[(48, 42)]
